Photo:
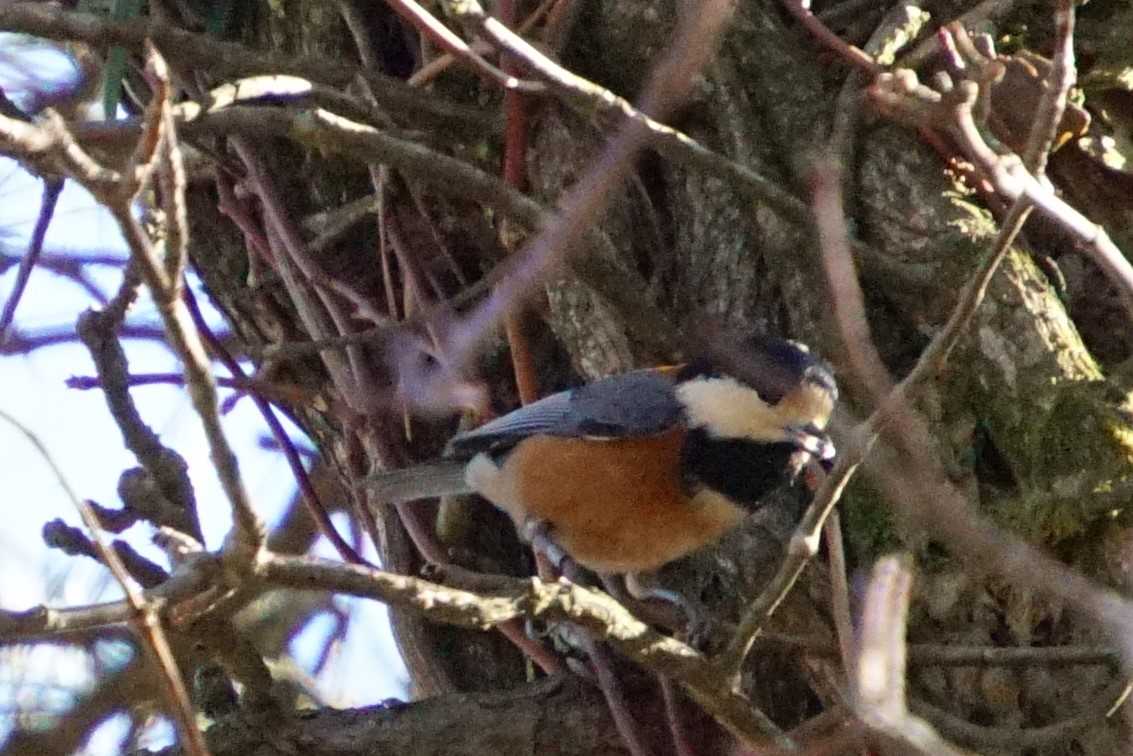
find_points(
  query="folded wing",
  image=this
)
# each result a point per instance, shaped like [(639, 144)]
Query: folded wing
[(641, 403)]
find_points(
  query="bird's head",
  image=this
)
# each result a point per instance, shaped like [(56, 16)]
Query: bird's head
[(755, 412)]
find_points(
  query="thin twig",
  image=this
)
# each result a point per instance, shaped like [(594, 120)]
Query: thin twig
[(843, 281), (427, 73), (51, 142), (628, 727), (920, 487), (802, 547), (67, 266), (947, 655), (42, 622), (498, 599), (248, 530), (242, 384), (804, 542), (20, 343), (901, 96), (839, 588), (163, 466), (547, 660), (590, 99), (233, 60), (985, 738), (330, 131), (668, 84), (172, 182), (515, 174), (675, 716), (143, 617), (987, 10), (310, 496), (428, 24), (291, 255), (828, 39), (1052, 103), (52, 187)]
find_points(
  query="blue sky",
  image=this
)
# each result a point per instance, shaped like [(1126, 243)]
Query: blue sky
[(79, 433)]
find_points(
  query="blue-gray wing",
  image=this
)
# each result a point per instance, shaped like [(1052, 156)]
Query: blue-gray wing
[(641, 403)]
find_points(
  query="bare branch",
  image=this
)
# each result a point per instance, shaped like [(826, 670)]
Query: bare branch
[(1103, 706), (50, 142), (556, 602), (879, 677), (817, 29), (984, 11), (901, 96), (165, 467), (295, 463), (52, 187), (429, 25), (918, 485), (229, 59), (949, 655), (143, 616), (171, 177), (668, 84), (850, 314), (589, 98)]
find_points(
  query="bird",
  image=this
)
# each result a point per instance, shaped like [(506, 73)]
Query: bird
[(634, 471)]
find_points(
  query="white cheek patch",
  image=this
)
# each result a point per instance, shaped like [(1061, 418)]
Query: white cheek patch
[(728, 409)]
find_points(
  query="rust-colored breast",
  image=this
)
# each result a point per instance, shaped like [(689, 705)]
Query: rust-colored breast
[(613, 505)]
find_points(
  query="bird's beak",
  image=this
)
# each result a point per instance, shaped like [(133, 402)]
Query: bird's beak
[(812, 440)]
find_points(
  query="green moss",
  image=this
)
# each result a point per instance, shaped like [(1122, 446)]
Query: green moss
[(867, 521), (1062, 489)]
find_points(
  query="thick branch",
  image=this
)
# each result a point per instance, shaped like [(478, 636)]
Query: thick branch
[(227, 59), (554, 602), (552, 717)]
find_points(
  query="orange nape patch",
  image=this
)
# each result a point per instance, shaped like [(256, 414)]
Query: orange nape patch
[(613, 505)]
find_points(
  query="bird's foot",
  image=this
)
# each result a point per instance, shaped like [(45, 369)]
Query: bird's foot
[(699, 625), (538, 533)]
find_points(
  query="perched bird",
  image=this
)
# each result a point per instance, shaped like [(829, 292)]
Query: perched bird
[(636, 470)]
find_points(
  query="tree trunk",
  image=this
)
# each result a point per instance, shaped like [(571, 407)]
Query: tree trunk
[(1023, 416)]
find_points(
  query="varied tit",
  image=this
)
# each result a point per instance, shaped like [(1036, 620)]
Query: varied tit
[(634, 471)]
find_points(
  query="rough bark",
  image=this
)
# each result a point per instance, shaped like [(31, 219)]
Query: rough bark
[(1024, 416), (692, 247), (558, 717)]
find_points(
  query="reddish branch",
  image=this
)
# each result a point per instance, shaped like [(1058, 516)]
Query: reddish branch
[(515, 174), (829, 39), (915, 481), (443, 37), (953, 108), (310, 496)]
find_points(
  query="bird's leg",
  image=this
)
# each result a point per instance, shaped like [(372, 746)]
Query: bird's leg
[(645, 586), (538, 533), (660, 613)]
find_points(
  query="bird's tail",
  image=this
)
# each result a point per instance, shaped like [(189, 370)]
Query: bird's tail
[(424, 481)]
